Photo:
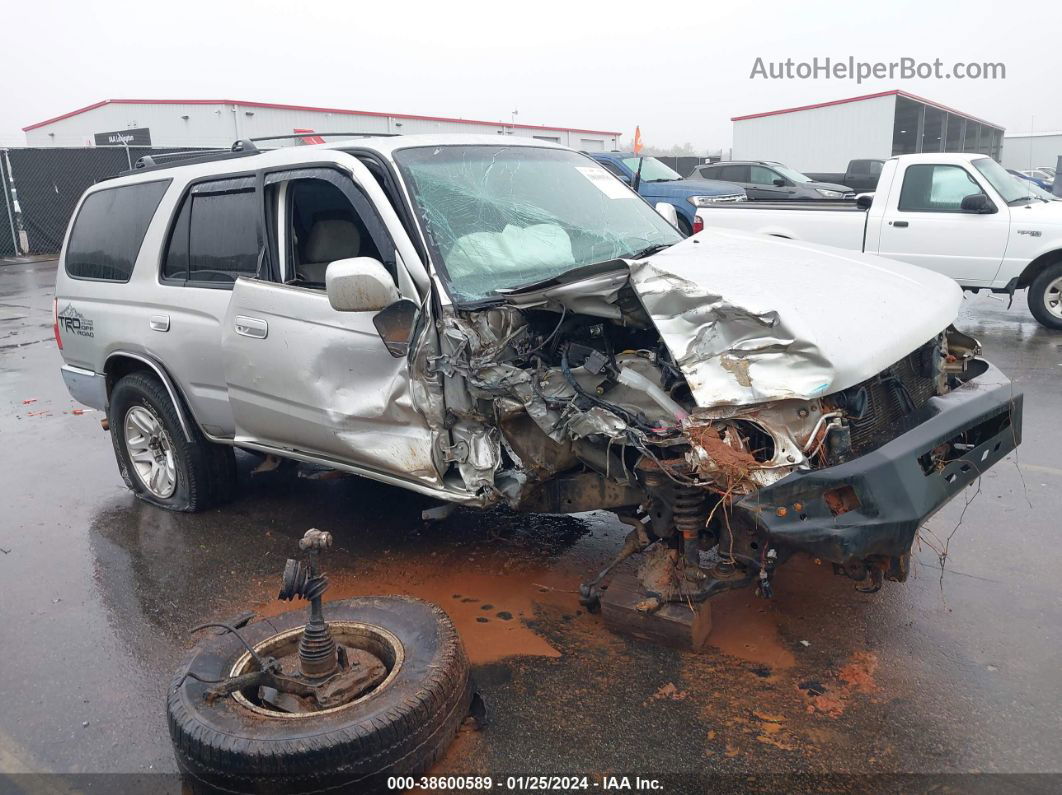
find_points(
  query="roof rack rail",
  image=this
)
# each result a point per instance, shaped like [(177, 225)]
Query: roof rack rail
[(241, 148), (315, 134)]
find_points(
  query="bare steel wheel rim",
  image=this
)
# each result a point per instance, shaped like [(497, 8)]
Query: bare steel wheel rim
[(150, 452), (284, 645), (1053, 297)]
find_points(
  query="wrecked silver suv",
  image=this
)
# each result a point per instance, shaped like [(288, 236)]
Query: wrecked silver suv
[(506, 323)]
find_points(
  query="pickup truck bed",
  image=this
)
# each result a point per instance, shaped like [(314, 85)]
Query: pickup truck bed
[(961, 215)]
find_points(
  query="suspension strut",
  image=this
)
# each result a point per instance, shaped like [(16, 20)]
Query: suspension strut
[(318, 655), (691, 516)]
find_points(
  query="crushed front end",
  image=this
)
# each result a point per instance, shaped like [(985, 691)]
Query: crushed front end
[(566, 397)]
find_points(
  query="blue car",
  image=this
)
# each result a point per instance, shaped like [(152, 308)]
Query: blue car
[(1038, 181), (658, 183)]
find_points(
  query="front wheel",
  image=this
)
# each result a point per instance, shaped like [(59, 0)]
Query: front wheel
[(155, 459), (1045, 297)]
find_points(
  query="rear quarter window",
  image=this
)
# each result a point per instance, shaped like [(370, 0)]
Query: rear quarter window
[(109, 231)]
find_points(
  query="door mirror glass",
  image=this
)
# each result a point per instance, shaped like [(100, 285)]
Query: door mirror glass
[(667, 212), (779, 182), (395, 324), (359, 284), (976, 203), (864, 200)]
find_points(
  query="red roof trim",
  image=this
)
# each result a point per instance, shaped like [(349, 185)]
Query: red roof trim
[(894, 92), (278, 106)]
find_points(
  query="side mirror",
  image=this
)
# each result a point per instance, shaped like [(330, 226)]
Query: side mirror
[(395, 325), (667, 212), (977, 203), (779, 182), (359, 284), (864, 200)]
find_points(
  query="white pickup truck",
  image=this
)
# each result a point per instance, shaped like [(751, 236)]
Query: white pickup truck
[(961, 215)]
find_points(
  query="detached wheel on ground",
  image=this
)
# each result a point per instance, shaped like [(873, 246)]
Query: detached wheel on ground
[(256, 740), (155, 459), (1045, 297)]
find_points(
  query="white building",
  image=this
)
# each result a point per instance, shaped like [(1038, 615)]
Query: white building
[(219, 122), (825, 136), (1024, 151)]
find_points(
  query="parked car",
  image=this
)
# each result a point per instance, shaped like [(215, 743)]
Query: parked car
[(1034, 184), (1037, 177), (488, 322), (658, 182), (961, 215), (861, 175), (767, 180)]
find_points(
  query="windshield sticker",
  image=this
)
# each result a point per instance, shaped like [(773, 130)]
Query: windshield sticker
[(605, 182)]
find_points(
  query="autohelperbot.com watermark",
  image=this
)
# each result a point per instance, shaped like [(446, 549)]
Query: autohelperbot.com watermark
[(851, 68)]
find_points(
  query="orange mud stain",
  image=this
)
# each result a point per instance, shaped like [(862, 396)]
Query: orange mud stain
[(745, 627), (855, 676), (858, 674), (488, 609)]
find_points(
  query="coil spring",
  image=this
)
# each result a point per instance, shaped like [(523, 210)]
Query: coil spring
[(690, 510)]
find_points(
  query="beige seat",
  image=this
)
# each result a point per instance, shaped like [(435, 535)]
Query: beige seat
[(329, 240)]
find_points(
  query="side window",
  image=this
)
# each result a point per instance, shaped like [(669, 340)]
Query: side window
[(708, 172), (860, 168), (936, 188), (109, 231), (322, 228), (760, 175), (215, 238), (733, 173), (323, 217), (613, 168)]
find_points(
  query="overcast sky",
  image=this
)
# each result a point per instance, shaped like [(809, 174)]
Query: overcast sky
[(680, 70)]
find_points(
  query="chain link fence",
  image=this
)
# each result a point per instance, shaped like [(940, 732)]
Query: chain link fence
[(41, 186)]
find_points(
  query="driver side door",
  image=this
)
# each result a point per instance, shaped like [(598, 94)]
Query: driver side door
[(303, 377)]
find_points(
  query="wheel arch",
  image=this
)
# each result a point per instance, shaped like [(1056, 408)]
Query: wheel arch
[(121, 363), (1038, 264)]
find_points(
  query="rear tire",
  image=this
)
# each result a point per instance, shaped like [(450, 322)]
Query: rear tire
[(1045, 297), (200, 474), (684, 226)]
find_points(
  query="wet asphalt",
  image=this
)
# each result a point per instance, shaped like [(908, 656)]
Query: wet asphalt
[(959, 673)]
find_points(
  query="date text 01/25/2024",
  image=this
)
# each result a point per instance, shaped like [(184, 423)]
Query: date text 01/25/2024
[(525, 783)]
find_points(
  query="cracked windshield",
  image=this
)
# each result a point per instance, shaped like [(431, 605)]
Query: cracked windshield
[(501, 217)]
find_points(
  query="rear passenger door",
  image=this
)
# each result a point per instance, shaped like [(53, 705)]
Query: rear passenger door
[(216, 237), (303, 377), (737, 174)]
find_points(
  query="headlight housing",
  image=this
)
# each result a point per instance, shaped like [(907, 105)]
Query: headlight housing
[(704, 201), (830, 194)]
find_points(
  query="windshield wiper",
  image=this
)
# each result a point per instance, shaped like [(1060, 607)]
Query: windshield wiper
[(648, 251), (1022, 199)]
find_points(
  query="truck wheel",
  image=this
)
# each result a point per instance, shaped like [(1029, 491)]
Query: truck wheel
[(1045, 297), (155, 460), (684, 226), (237, 743)]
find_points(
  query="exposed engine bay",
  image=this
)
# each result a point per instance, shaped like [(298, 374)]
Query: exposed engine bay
[(562, 399)]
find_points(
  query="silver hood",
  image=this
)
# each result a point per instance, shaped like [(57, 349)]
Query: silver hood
[(750, 318)]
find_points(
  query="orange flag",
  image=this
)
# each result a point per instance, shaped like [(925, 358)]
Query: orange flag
[(637, 140)]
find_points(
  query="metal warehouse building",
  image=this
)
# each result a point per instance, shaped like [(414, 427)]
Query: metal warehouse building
[(1031, 150), (824, 137), (219, 122)]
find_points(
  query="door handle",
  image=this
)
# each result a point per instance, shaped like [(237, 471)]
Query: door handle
[(159, 322), (899, 224), (251, 327)]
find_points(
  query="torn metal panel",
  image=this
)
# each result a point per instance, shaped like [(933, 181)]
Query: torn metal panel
[(750, 318)]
